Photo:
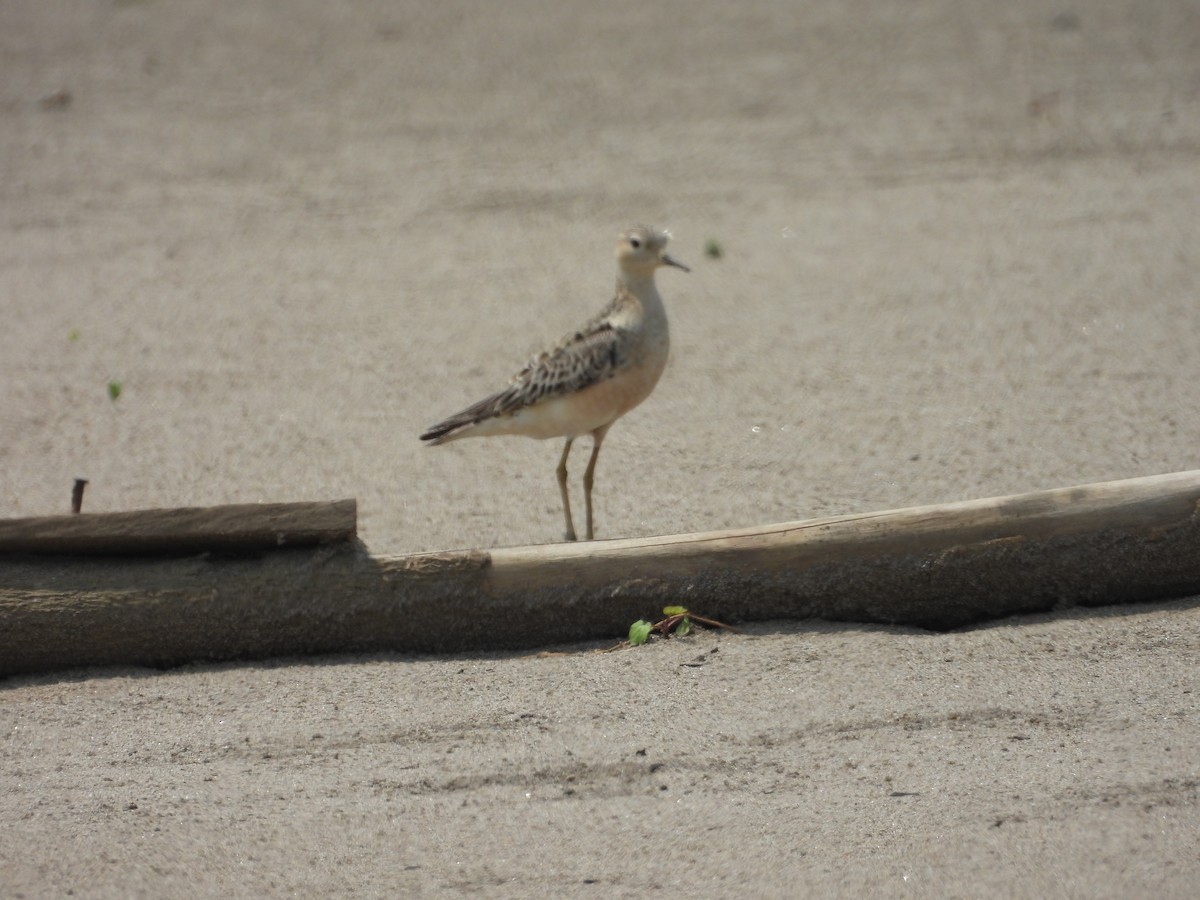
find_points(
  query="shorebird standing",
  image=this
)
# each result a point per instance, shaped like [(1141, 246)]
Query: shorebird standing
[(592, 377)]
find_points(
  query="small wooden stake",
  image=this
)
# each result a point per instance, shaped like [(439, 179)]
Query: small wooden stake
[(77, 495)]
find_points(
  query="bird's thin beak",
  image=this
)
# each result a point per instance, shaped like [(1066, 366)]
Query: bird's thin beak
[(669, 261)]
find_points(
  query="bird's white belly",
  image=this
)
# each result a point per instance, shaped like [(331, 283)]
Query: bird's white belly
[(582, 412)]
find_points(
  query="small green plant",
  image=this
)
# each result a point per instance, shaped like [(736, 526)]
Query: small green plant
[(639, 632), (683, 625), (713, 249), (114, 390), (678, 622), (73, 335)]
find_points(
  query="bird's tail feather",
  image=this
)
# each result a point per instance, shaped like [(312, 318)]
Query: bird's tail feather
[(459, 424), (446, 431)]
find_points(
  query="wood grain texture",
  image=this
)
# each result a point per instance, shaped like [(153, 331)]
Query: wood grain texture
[(246, 527), (933, 567)]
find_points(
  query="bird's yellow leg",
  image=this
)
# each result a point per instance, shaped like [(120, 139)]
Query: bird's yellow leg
[(566, 497), (589, 475)]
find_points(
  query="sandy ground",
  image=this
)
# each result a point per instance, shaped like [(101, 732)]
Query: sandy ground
[(960, 259)]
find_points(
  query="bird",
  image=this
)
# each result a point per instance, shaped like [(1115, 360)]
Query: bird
[(591, 377)]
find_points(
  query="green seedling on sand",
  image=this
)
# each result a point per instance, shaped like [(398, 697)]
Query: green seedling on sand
[(639, 632), (678, 622), (712, 249), (114, 390)]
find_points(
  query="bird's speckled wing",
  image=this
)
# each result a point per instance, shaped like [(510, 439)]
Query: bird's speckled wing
[(586, 357)]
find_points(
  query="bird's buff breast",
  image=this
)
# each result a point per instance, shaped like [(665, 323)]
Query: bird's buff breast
[(571, 415)]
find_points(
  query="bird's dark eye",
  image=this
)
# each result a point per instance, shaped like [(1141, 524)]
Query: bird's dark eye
[(635, 243)]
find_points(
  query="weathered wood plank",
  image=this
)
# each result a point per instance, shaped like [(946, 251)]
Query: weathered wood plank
[(245, 527), (934, 567)]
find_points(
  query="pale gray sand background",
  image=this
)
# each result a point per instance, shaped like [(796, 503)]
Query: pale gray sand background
[(961, 260)]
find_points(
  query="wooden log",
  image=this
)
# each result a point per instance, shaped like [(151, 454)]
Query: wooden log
[(933, 567), (240, 528)]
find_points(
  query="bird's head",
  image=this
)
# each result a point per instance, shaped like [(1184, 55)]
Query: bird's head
[(641, 250)]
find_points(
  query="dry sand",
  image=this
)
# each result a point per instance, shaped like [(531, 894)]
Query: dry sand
[(961, 259)]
